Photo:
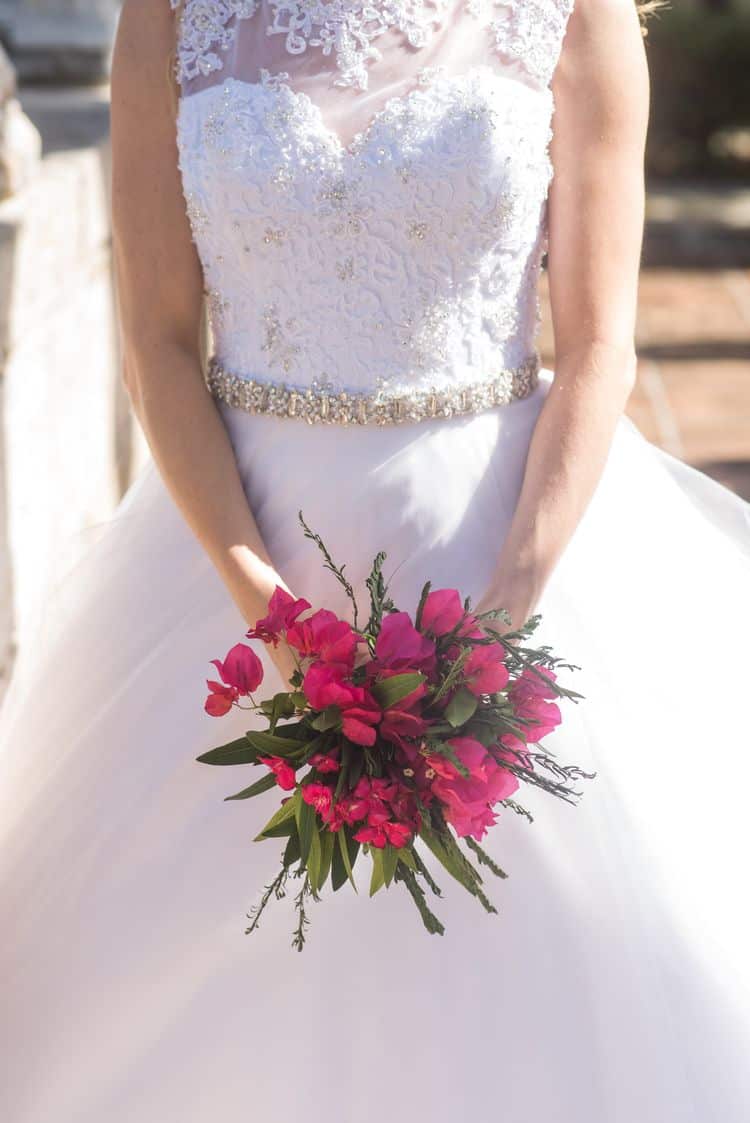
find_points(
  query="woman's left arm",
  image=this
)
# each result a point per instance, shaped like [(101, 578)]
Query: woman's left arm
[(595, 233)]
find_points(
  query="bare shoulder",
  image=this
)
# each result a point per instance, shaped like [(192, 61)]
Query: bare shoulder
[(143, 46), (603, 56), (601, 17), (601, 34)]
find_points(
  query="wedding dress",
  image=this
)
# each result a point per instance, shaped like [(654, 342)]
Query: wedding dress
[(366, 185)]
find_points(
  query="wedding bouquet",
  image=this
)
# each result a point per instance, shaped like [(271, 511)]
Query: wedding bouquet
[(402, 732)]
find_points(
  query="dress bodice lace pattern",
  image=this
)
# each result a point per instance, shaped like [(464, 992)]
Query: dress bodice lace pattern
[(404, 262)]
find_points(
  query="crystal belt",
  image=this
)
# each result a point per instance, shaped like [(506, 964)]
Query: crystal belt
[(318, 404)]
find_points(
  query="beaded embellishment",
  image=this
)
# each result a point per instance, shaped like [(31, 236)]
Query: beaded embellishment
[(324, 406)]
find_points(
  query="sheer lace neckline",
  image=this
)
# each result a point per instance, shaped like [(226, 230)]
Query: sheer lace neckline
[(348, 28), (345, 29), (352, 35)]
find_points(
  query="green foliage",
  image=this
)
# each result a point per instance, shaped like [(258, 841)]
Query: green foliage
[(234, 752), (392, 690)]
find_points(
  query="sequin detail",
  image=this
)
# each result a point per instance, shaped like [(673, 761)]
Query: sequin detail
[(323, 405)]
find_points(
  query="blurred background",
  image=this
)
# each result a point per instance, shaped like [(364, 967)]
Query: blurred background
[(68, 444)]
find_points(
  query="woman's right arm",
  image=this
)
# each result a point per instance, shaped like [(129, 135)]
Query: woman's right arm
[(160, 287)]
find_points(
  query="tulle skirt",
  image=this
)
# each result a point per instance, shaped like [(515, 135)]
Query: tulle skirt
[(613, 986)]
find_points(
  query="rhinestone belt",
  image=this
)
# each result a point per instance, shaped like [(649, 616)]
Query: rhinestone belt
[(319, 405)]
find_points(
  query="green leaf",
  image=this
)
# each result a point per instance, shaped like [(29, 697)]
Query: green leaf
[(338, 869), (313, 858), (391, 690), (377, 881), (263, 785), (291, 852), (329, 718), (299, 699), (342, 779), (448, 859), (356, 768), (390, 861), (405, 855), (273, 744), (461, 707), (234, 752), (279, 825), (348, 848), (483, 732), (327, 841), (281, 706), (420, 607), (306, 826)]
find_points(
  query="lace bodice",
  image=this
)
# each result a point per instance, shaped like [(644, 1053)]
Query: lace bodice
[(366, 184)]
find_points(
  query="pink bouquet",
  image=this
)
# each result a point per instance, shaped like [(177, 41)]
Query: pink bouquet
[(402, 731)]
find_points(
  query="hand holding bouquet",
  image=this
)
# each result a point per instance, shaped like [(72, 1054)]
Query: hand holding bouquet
[(404, 731)]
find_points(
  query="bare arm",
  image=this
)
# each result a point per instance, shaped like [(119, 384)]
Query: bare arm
[(160, 287), (595, 233)]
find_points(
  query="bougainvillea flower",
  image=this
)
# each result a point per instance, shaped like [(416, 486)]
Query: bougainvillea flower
[(283, 610), (513, 749), (530, 696), (324, 686), (324, 637), (468, 800), (400, 646), (358, 723), (221, 699), (484, 670), (241, 669), (442, 612), (282, 770), (399, 726)]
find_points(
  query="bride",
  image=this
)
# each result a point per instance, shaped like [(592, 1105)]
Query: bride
[(363, 194)]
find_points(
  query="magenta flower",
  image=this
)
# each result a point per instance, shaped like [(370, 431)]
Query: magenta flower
[(530, 696), (319, 796), (468, 800), (442, 611), (401, 647), (402, 725), (398, 834), (484, 670), (241, 669), (283, 771), (324, 686), (375, 836), (221, 699), (283, 610), (325, 637), (324, 762), (513, 749)]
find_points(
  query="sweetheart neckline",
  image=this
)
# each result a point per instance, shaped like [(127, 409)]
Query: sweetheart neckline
[(356, 146)]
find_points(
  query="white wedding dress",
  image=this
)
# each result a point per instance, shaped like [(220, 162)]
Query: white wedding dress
[(366, 185)]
